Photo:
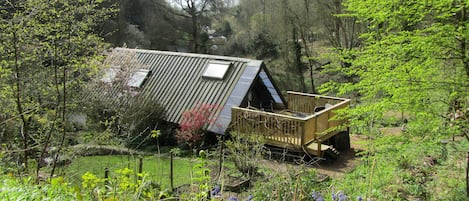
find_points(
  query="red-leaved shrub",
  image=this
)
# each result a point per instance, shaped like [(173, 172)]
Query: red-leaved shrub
[(194, 122)]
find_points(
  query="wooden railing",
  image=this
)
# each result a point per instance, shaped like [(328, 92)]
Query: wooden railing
[(321, 125), (307, 103), (273, 126), (301, 127)]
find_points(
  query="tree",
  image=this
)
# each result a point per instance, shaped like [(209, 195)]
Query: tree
[(54, 47), (414, 60), (341, 32), (193, 10), (148, 24)]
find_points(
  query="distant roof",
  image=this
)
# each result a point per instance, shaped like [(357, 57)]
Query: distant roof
[(180, 81)]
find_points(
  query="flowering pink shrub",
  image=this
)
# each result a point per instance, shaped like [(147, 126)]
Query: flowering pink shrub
[(193, 123)]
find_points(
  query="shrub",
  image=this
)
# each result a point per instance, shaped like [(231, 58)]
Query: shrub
[(245, 151), (141, 118), (193, 124), (294, 185), (131, 123)]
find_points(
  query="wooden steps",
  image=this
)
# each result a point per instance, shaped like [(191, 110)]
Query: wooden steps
[(288, 142), (314, 149)]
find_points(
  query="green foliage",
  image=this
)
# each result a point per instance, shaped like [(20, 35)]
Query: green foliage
[(403, 167), (448, 183), (411, 62), (156, 169), (142, 119), (48, 50), (123, 185), (264, 46), (130, 125), (14, 188), (200, 184), (245, 151)]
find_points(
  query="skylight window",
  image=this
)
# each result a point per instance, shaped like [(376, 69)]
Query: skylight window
[(138, 78), (110, 74), (216, 70)]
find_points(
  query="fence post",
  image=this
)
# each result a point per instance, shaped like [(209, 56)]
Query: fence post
[(220, 165), (106, 174), (467, 175), (106, 179), (140, 168), (171, 171)]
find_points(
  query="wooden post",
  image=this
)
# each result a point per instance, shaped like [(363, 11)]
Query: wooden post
[(319, 148), (315, 127), (140, 168), (106, 173), (467, 175), (106, 178), (221, 156), (171, 171), (328, 117)]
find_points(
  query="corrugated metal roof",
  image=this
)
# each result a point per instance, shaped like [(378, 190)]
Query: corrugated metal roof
[(176, 82)]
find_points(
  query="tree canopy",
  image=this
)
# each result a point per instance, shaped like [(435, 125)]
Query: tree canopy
[(48, 50), (414, 61)]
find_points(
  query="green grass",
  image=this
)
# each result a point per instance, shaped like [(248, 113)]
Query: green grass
[(158, 168)]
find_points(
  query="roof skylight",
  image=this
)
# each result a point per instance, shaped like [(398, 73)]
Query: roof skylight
[(110, 74), (138, 78), (216, 69)]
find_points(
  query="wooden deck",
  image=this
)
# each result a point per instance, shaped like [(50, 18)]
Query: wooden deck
[(299, 127)]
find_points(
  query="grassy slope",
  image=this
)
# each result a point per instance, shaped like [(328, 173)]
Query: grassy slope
[(158, 168), (399, 167)]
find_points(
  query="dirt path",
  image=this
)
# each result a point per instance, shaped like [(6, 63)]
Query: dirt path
[(331, 167), (338, 167), (346, 162)]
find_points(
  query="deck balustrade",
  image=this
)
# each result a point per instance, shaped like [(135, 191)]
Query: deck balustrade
[(297, 127)]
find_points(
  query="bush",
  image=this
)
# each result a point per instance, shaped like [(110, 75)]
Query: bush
[(245, 151), (141, 118), (193, 124), (131, 124)]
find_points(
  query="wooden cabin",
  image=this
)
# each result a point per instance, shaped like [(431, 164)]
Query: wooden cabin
[(243, 88)]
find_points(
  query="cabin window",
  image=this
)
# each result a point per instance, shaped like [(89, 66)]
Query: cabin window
[(110, 74), (138, 78), (216, 69)]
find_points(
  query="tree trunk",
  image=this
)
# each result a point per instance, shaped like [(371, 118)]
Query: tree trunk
[(64, 101), (24, 131), (337, 23), (195, 28), (298, 63)]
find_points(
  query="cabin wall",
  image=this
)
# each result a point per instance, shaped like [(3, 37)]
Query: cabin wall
[(260, 98)]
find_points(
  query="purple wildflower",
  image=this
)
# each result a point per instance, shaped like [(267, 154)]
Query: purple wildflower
[(359, 198), (250, 198), (216, 191), (342, 196), (232, 198), (317, 196)]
